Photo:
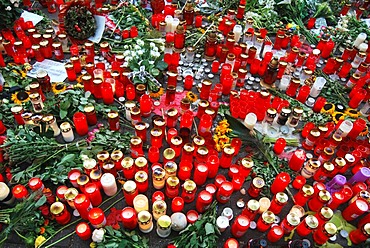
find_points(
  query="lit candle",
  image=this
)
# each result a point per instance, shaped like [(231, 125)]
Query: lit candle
[(224, 192), (109, 184), (200, 174), (93, 192), (129, 218), (83, 205), (264, 204), (83, 231), (189, 191), (240, 226), (141, 203), (275, 234), (20, 191), (97, 218), (192, 216), (177, 204)]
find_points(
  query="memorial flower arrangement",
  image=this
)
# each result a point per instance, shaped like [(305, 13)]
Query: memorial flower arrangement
[(10, 11)]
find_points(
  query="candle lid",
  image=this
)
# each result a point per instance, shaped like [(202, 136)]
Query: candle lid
[(127, 162), (247, 162), (16, 109), (293, 219), (188, 147), (141, 176), (228, 149), (48, 119), (56, 208), (328, 166), (176, 140), (324, 195), (102, 155), (140, 126), (268, 217), (311, 222), (136, 140), (159, 206), (108, 165), (189, 185), (326, 213), (141, 162), (173, 181), (253, 205), (80, 198), (169, 153), (199, 140), (159, 173), (164, 222), (170, 167), (70, 194), (96, 174), (83, 180), (129, 186), (156, 132), (340, 161), (116, 155), (349, 158), (281, 197), (258, 182), (202, 151), (144, 217), (307, 190), (112, 114), (89, 163)]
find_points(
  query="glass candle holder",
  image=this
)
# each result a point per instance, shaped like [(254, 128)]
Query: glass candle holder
[(145, 221), (159, 209), (67, 132), (80, 123), (265, 221), (60, 213), (302, 196), (130, 191), (256, 186), (278, 202), (309, 224), (224, 192), (290, 222), (189, 191), (129, 218)]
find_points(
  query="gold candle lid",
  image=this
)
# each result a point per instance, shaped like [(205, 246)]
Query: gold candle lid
[(127, 162), (170, 167), (70, 194), (281, 197), (328, 166), (56, 208), (366, 229), (340, 161), (89, 44), (253, 205), (323, 128), (188, 147), (250, 21), (44, 43), (169, 153), (34, 96), (244, 56), (173, 181), (172, 73), (203, 103), (206, 82), (135, 140), (48, 119), (86, 77), (199, 140), (328, 151), (135, 111), (97, 81), (104, 44), (114, 74), (74, 58), (258, 182), (314, 163), (330, 229), (65, 127), (159, 206), (231, 56), (247, 162), (130, 104), (164, 222), (89, 163), (172, 112), (271, 111), (229, 150), (144, 217), (83, 180), (293, 219), (307, 190), (116, 155), (324, 195), (156, 132), (209, 111), (202, 151), (176, 140), (315, 133), (102, 156), (113, 115), (159, 173), (189, 186), (95, 174), (326, 212), (141, 162), (141, 176), (108, 165), (129, 186), (37, 118), (311, 222), (268, 217)]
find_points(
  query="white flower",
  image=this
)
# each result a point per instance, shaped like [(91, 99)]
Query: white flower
[(16, 5), (153, 53), (155, 49), (140, 52), (98, 235), (136, 47), (152, 44), (128, 58), (133, 53), (125, 47), (8, 8), (84, 157), (151, 62), (126, 53), (140, 43)]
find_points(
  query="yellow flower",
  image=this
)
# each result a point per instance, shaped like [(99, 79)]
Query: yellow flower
[(353, 113), (157, 94), (191, 96), (79, 79), (92, 245), (337, 116), (20, 97), (58, 88), (364, 132), (39, 241)]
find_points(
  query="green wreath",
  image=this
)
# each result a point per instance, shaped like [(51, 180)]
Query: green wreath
[(79, 22)]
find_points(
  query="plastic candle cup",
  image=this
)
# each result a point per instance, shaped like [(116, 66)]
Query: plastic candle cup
[(129, 218), (177, 204), (97, 217), (109, 184), (83, 231)]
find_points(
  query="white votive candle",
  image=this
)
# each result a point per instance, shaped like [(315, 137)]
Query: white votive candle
[(67, 132), (108, 182)]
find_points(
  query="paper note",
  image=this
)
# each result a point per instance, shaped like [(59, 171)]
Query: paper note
[(100, 25), (56, 70), (34, 18)]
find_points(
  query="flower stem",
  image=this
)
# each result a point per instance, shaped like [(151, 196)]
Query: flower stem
[(61, 239), (200, 38)]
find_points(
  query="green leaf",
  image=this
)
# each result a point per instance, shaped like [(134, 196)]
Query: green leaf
[(40, 201), (63, 114), (161, 65), (155, 72), (135, 238), (237, 127), (68, 158), (209, 228)]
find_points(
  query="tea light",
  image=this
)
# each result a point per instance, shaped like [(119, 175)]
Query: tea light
[(141, 203), (222, 223), (109, 184), (228, 212), (97, 218), (83, 231)]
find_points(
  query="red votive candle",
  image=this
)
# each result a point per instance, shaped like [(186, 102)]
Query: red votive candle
[(83, 205), (129, 218), (281, 181), (265, 221), (299, 181), (158, 195), (60, 213), (192, 216), (35, 184), (177, 204), (211, 188), (93, 192), (80, 122), (204, 200), (297, 160), (61, 190), (97, 218), (303, 195), (20, 191), (200, 174), (307, 226), (355, 209), (219, 179), (83, 231), (224, 192), (240, 226), (360, 235), (275, 234), (213, 163), (185, 168), (278, 202)]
